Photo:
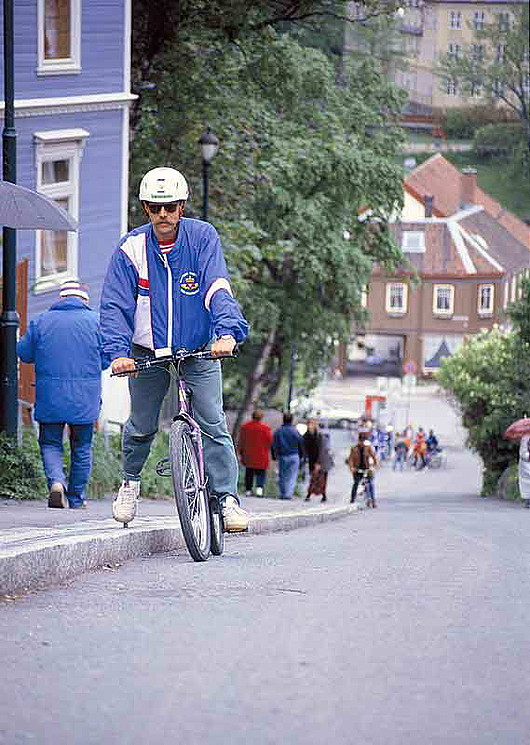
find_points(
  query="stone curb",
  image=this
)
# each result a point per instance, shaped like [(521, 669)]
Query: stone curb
[(32, 558)]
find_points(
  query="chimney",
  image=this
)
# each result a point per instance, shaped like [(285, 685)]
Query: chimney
[(468, 185), (428, 201)]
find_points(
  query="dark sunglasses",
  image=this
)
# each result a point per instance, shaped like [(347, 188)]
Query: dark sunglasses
[(168, 206)]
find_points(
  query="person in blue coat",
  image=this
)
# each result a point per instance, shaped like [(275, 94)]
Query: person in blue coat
[(64, 344), (167, 288)]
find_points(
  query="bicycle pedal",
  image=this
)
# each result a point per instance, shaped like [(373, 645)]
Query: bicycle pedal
[(163, 468)]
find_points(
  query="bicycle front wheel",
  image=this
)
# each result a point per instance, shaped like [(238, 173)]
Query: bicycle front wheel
[(192, 500)]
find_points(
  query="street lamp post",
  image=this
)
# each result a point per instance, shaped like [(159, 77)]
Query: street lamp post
[(209, 147), (9, 317)]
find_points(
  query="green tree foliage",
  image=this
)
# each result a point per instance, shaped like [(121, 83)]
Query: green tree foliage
[(488, 380), (301, 154), (498, 63)]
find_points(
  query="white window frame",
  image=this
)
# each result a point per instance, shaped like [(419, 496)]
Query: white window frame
[(413, 242), (452, 87), (505, 21), (479, 18), (435, 296), (482, 309), (455, 19), (66, 144), (68, 65), (453, 50), (402, 309)]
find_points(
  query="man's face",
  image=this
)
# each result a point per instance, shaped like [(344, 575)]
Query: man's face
[(164, 218)]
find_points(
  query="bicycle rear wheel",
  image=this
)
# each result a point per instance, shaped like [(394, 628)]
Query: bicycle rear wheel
[(191, 499), (216, 527)]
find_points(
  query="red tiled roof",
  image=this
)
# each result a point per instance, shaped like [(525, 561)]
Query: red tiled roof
[(439, 177), (442, 257)]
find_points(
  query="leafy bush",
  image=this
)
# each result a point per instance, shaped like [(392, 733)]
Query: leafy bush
[(488, 379), (498, 140), (105, 476), (462, 123), (21, 472)]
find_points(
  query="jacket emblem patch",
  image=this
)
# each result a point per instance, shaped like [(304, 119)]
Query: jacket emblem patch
[(188, 283)]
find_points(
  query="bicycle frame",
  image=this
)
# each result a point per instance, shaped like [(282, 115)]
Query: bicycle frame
[(184, 407)]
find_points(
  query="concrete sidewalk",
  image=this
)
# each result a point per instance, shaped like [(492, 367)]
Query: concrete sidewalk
[(41, 546)]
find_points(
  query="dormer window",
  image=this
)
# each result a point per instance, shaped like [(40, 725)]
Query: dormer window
[(413, 242)]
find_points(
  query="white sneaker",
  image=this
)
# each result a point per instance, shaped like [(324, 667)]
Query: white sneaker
[(124, 506), (235, 518), (259, 491)]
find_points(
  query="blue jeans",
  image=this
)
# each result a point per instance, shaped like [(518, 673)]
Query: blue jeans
[(369, 486), (51, 449), (288, 472), (203, 377)]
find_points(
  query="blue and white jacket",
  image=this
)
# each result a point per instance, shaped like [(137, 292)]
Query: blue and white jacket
[(165, 302)]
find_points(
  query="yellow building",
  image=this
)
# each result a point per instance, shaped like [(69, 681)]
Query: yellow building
[(433, 28)]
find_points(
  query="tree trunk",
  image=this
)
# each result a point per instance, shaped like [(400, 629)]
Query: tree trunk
[(255, 381)]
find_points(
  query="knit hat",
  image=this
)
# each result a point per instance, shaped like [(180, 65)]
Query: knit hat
[(72, 288)]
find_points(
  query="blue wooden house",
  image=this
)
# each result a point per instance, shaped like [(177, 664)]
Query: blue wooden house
[(72, 99)]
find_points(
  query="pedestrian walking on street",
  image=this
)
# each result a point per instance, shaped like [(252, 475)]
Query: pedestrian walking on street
[(253, 445), (64, 343), (288, 449), (167, 288), (400, 452), (362, 461), (320, 459)]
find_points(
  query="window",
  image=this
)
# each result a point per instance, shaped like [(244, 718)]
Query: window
[(413, 241), (478, 20), (477, 52), (454, 51), (58, 164), (396, 297), (476, 88), (485, 299), (504, 21), (451, 87), (500, 52), (498, 88), (59, 36), (455, 19), (443, 298)]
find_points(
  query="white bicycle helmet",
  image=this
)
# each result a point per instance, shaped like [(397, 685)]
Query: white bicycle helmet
[(163, 185)]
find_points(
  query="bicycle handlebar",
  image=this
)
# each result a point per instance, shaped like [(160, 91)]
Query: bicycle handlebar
[(144, 363)]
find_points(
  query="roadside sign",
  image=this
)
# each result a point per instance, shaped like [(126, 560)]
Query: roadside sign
[(409, 366)]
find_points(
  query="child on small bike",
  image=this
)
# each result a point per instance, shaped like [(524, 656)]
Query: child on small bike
[(362, 461)]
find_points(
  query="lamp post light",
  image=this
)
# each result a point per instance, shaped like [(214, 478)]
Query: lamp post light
[(209, 146)]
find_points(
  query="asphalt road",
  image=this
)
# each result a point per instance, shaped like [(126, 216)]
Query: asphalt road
[(406, 625)]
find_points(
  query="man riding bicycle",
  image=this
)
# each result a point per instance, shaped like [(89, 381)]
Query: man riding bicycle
[(362, 461), (167, 288)]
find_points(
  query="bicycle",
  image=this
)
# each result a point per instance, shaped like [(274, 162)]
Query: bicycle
[(365, 490), (199, 512)]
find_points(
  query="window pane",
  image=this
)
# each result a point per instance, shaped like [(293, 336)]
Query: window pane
[(54, 254), (57, 29), (55, 171)]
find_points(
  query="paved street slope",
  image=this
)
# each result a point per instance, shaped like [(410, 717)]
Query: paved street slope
[(406, 625)]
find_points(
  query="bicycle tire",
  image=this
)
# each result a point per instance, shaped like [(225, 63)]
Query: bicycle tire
[(191, 500), (216, 528)]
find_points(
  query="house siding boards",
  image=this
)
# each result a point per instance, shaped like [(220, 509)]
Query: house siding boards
[(102, 53), (99, 195), (94, 100)]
